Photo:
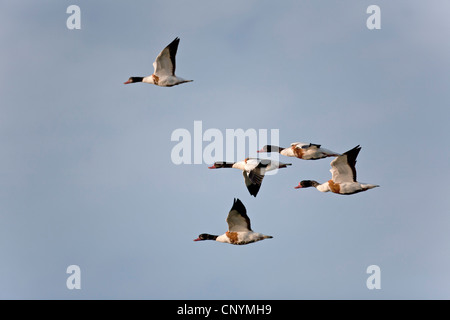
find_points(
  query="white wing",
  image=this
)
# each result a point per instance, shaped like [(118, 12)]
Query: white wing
[(260, 166), (251, 163), (164, 64), (343, 167)]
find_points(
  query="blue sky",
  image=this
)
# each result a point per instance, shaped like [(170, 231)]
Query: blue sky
[(86, 175)]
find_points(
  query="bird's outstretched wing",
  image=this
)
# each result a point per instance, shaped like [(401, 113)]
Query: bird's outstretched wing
[(253, 182), (164, 64), (343, 167), (237, 218)]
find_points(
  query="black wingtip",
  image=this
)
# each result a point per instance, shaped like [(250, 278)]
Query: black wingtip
[(174, 43), (253, 189), (238, 206), (351, 159), (355, 150)]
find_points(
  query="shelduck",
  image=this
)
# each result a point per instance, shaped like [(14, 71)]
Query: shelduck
[(305, 151), (253, 170), (343, 176), (164, 68), (239, 230)]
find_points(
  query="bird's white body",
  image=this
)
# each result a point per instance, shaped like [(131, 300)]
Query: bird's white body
[(250, 164), (241, 237), (307, 151), (344, 187), (164, 80)]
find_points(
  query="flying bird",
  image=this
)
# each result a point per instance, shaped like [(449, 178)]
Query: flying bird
[(164, 68), (253, 170), (343, 176), (239, 230), (305, 151)]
